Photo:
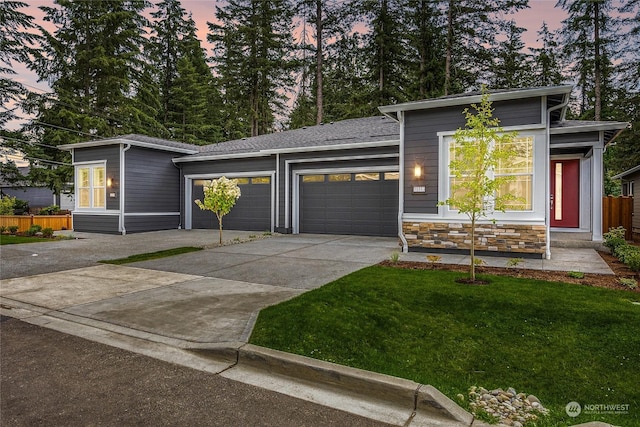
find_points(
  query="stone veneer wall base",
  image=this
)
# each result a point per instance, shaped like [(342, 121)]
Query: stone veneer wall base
[(498, 239)]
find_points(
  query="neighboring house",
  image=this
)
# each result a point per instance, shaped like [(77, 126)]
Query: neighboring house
[(630, 183), (36, 196), (358, 177)]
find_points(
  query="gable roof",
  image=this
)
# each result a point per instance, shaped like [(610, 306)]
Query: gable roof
[(351, 133), (138, 141), (556, 96), (627, 173)]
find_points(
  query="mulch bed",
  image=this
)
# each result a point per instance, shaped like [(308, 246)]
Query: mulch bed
[(599, 280)]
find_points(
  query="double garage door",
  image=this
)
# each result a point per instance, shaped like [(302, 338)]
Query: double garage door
[(363, 203), (349, 203), (252, 211)]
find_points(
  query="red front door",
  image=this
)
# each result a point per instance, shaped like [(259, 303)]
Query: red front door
[(565, 193)]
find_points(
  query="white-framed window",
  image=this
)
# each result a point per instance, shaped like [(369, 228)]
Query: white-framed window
[(91, 186), (521, 168)]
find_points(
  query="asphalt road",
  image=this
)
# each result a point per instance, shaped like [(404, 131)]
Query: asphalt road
[(50, 378)]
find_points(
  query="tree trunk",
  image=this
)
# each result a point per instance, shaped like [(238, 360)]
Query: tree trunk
[(473, 248), (220, 227), (319, 97), (447, 65), (597, 71)]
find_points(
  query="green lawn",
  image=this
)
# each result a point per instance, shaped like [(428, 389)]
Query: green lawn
[(152, 255), (560, 342), (8, 239)]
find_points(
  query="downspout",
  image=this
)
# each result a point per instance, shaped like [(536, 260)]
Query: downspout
[(181, 201), (547, 178), (123, 148), (405, 245)]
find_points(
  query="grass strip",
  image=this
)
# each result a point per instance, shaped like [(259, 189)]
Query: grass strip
[(152, 255), (7, 239), (560, 342)]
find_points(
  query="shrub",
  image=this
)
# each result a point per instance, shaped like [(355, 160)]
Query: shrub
[(395, 256), (47, 232), (614, 233), (576, 274), (13, 229), (614, 244), (623, 252), (33, 230), (20, 206), (3, 229), (628, 282), (6, 205), (633, 260), (50, 210)]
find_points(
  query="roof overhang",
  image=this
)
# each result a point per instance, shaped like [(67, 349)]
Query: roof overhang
[(464, 99), (118, 141), (265, 153), (611, 130), (625, 173)]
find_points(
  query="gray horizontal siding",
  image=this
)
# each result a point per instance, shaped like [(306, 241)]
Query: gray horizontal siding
[(137, 224), (229, 166), (152, 182), (37, 197), (96, 223), (421, 144), (109, 153)]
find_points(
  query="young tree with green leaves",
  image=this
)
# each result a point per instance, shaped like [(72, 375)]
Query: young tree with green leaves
[(220, 196), (477, 150)]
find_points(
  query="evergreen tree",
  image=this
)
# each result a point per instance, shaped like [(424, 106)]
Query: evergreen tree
[(511, 66), (471, 29), (93, 62), (253, 57), (17, 42), (547, 65), (590, 45)]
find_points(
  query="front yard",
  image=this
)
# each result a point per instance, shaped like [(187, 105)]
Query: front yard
[(559, 342)]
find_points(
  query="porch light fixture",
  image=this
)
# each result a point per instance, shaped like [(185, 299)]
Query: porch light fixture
[(109, 182), (417, 171)]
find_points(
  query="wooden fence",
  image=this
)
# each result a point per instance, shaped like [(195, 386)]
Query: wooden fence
[(57, 222), (617, 212)]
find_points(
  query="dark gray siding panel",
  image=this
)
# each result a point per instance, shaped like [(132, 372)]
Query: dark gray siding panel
[(565, 138), (229, 166), (136, 224), (152, 182), (422, 143), (109, 153), (96, 223)]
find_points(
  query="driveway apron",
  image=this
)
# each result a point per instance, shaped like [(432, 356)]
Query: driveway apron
[(208, 297)]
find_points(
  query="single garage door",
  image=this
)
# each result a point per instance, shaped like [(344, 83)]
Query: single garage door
[(350, 203), (252, 211)]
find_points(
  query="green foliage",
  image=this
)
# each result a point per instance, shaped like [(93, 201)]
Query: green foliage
[(395, 256), (3, 229), (152, 255), (629, 282), (632, 260), (220, 196), (6, 205), (480, 147), (50, 210), (614, 233), (13, 229), (576, 274), (514, 262), (33, 230), (47, 232), (20, 206), (391, 321)]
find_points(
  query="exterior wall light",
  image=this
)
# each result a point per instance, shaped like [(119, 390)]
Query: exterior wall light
[(109, 182), (417, 171)]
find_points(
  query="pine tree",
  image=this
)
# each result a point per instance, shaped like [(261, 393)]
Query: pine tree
[(471, 29), (511, 66), (547, 65), (253, 57)]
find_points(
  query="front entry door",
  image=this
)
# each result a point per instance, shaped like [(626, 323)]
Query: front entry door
[(565, 193)]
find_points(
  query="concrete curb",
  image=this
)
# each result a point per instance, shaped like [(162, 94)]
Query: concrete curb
[(423, 405)]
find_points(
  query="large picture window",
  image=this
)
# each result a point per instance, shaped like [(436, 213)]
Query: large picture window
[(91, 186), (519, 168)]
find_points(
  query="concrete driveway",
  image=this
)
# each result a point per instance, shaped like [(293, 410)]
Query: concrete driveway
[(207, 297)]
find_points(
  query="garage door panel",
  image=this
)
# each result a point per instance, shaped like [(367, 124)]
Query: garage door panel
[(252, 211), (349, 207)]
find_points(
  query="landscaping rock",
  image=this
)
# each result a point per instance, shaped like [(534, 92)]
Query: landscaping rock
[(510, 408)]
